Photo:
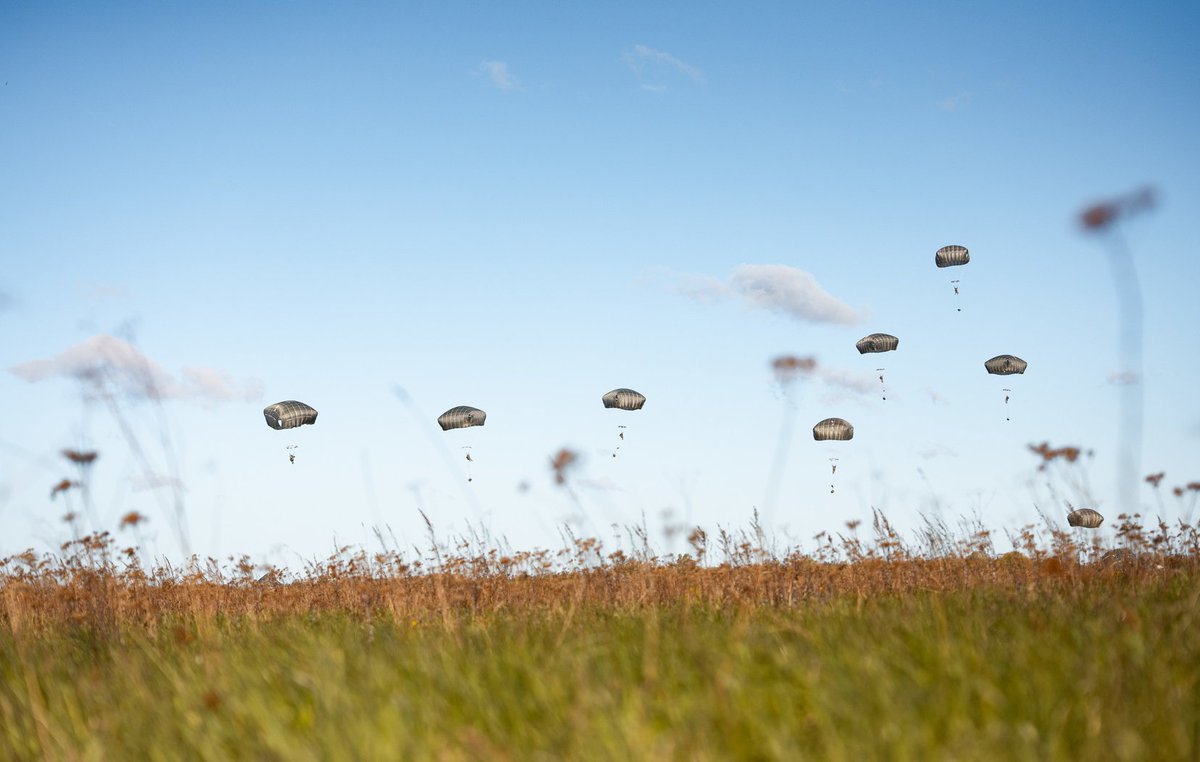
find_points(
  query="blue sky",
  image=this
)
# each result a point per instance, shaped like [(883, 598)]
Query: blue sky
[(511, 208)]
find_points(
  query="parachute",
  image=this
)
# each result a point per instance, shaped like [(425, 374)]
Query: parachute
[(461, 417), (289, 414), (623, 399), (1005, 365), (1086, 518), (833, 428), (952, 256), (877, 342)]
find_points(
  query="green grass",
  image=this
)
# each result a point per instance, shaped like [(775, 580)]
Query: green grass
[(1070, 671)]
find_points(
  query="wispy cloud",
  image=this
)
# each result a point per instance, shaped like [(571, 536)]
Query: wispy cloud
[(498, 74), (789, 369), (218, 386), (653, 67), (112, 364), (600, 484), (955, 102), (774, 288), (701, 288), (847, 380), (936, 451)]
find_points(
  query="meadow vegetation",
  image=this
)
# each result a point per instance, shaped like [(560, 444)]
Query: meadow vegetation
[(876, 647)]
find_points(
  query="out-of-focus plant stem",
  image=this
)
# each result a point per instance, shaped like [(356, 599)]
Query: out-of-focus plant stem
[(1129, 353)]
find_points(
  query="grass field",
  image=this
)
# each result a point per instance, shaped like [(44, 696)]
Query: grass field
[(876, 649)]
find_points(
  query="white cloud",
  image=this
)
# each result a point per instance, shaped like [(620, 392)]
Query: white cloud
[(652, 66), (702, 288), (219, 386), (102, 355), (112, 364), (498, 74), (790, 290), (775, 288)]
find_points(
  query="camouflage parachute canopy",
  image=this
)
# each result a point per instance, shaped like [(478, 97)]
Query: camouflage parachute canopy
[(1085, 517), (289, 414), (951, 256), (833, 428), (624, 399), (1005, 365), (461, 417), (877, 342)]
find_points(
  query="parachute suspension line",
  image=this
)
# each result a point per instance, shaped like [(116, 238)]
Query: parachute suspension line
[(882, 385), (621, 436), (1006, 393), (957, 302)]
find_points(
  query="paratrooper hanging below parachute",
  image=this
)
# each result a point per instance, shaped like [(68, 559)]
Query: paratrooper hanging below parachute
[(1006, 365), (952, 256), (833, 429), (463, 417), (289, 414), (623, 399), (874, 343)]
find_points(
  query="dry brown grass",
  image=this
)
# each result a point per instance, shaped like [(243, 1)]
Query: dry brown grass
[(927, 647), (95, 585)]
